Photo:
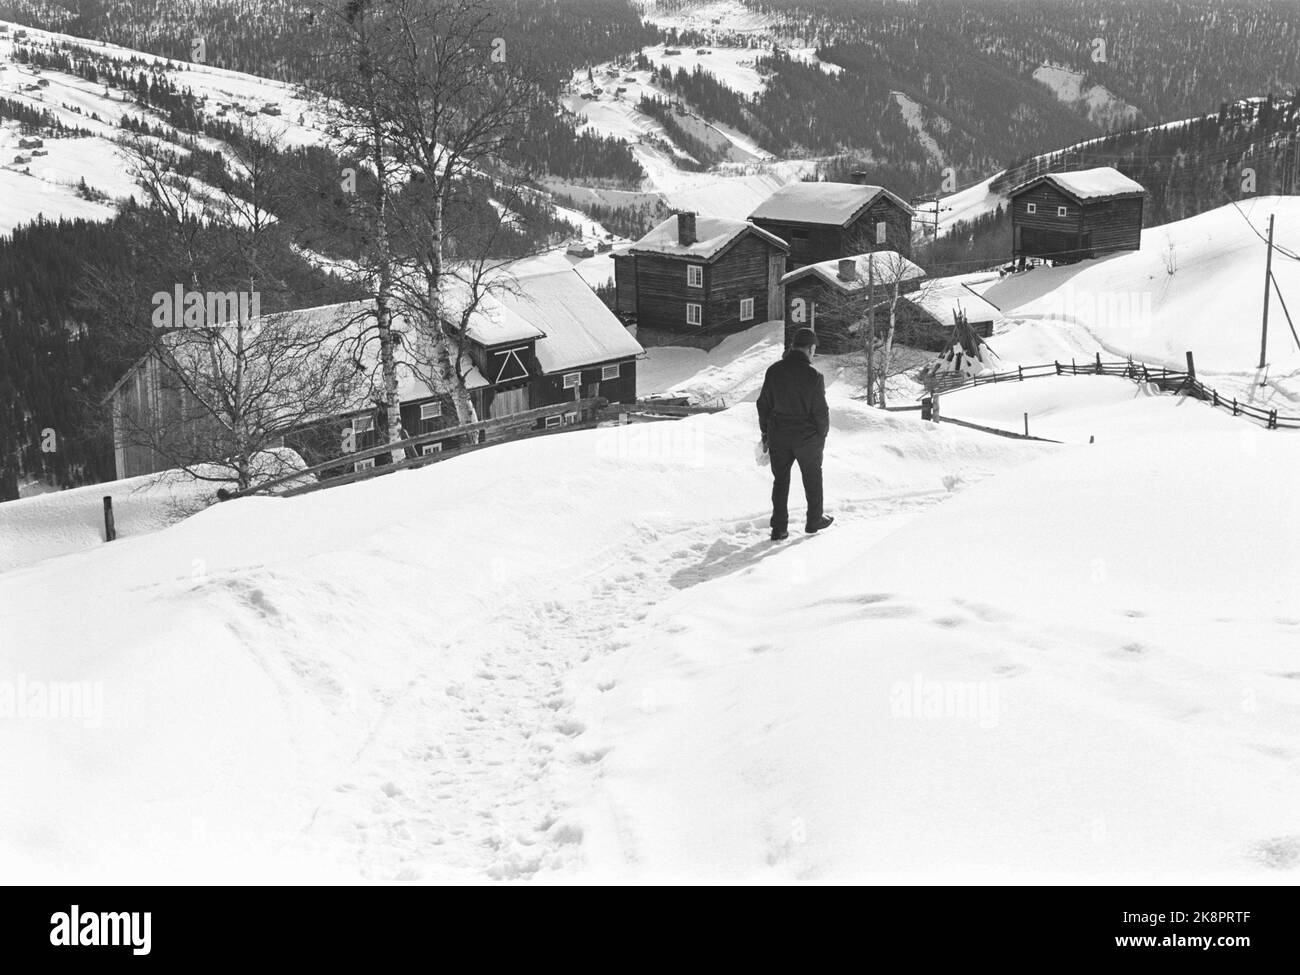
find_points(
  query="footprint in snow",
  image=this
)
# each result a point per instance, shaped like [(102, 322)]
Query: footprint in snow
[(1278, 852)]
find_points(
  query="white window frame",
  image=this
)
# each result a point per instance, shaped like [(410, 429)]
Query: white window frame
[(570, 419), (364, 465), (695, 275), (426, 407), (698, 318), (363, 424), (611, 372), (572, 380), (553, 421), (1062, 211), (1031, 208), (882, 231), (512, 355), (746, 309), (431, 448)]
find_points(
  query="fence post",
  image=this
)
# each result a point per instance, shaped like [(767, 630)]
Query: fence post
[(1234, 406), (1191, 366), (1058, 366), (1074, 368), (1272, 419), (1026, 424), (1098, 363), (1020, 371), (110, 530), (1216, 396)]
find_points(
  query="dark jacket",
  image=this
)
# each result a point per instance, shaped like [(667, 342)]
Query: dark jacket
[(792, 407)]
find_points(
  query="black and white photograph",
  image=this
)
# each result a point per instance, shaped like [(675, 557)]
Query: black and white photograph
[(651, 442)]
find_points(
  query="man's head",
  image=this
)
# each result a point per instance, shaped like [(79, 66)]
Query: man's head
[(805, 341)]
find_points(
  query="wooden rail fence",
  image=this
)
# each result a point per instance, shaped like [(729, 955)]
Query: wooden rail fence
[(1181, 381), (575, 415)]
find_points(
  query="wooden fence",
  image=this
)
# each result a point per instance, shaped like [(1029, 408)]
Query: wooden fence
[(574, 415), (585, 413), (1166, 379)]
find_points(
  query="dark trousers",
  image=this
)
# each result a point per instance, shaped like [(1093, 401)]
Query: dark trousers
[(809, 457)]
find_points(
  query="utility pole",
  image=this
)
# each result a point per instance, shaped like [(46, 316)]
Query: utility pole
[(1268, 281)]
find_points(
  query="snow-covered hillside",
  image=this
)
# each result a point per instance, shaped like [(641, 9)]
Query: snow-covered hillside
[(48, 184), (1196, 285), (580, 658)]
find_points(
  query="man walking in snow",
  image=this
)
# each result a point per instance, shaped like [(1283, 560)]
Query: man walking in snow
[(794, 420)]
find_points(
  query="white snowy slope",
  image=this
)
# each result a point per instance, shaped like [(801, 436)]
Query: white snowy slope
[(580, 658), (1211, 304), (47, 185)]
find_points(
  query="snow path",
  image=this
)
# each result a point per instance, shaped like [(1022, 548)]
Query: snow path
[(495, 770)]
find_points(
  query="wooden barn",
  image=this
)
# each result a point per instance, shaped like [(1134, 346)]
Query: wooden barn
[(540, 339), (926, 316), (827, 221), (1066, 217), (700, 275), (547, 338), (831, 297)]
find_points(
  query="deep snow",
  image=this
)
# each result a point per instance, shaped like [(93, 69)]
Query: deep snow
[(579, 658)]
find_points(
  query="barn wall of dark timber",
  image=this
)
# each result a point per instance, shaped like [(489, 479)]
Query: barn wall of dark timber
[(156, 422), (662, 292), (1097, 227), (549, 389), (739, 273), (812, 243), (625, 284), (1115, 225)]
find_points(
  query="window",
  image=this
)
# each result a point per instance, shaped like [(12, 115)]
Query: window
[(1062, 211), (693, 315), (430, 411), (553, 421), (746, 309), (610, 372), (694, 276), (572, 380), (1031, 208), (431, 448), (363, 424), (881, 230), (570, 419), (799, 234), (364, 465)]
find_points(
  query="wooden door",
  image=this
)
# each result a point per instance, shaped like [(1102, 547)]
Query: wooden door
[(506, 402)]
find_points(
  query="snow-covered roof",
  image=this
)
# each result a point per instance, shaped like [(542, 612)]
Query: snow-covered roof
[(1088, 184), (579, 328), (881, 266), (714, 235), (940, 301), (826, 203), (494, 322)]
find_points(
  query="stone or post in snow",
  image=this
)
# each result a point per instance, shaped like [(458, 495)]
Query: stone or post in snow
[(110, 530)]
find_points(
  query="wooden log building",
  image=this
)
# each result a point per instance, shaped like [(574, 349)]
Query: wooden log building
[(545, 338), (826, 221), (700, 275), (1067, 217), (832, 297)]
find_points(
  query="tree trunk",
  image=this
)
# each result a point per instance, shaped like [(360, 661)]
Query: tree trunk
[(888, 352), (443, 365)]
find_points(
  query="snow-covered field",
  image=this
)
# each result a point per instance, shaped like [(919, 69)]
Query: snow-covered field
[(1007, 660), (1130, 304), (46, 185)]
